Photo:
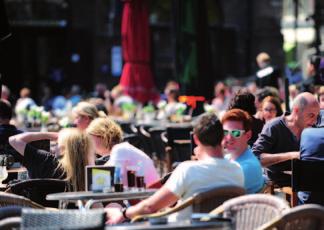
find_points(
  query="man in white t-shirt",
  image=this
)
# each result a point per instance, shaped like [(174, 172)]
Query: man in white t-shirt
[(210, 171)]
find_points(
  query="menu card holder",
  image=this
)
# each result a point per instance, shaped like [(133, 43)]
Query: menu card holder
[(99, 178)]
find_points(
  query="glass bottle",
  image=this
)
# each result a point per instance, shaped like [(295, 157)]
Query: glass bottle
[(118, 180)]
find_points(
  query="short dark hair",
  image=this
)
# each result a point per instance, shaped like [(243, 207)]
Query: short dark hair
[(244, 100), (238, 115), (265, 92), (275, 101), (5, 110), (209, 130)]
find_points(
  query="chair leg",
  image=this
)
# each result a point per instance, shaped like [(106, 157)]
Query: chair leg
[(269, 188), (294, 199)]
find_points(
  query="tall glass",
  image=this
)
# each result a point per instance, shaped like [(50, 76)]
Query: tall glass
[(131, 177), (140, 183)]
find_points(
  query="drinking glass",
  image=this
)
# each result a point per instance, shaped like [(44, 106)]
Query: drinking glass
[(131, 177), (3, 173)]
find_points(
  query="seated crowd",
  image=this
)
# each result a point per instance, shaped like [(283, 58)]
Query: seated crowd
[(245, 145)]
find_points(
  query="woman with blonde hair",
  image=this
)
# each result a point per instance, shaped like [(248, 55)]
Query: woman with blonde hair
[(76, 152), (84, 113), (107, 138)]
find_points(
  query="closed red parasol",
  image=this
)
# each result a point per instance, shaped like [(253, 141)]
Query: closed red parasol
[(137, 77)]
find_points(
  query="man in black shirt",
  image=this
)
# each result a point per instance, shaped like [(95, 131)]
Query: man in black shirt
[(279, 140), (313, 78), (267, 75)]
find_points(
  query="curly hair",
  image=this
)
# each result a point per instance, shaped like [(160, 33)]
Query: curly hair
[(244, 100)]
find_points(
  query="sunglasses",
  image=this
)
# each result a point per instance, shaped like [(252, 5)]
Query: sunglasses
[(236, 133)]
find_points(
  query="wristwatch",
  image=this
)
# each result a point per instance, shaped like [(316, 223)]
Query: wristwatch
[(123, 211)]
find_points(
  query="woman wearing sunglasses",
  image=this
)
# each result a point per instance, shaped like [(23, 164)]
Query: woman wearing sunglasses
[(237, 132)]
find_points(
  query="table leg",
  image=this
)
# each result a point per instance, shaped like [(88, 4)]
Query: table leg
[(80, 205), (62, 204), (89, 204)]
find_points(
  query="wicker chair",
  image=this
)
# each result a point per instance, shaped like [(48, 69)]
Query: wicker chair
[(63, 219), (37, 189), (305, 178), (10, 217), (308, 216), (201, 202), (7, 199), (252, 211), (10, 223)]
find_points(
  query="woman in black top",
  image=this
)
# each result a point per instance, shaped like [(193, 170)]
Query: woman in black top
[(75, 148)]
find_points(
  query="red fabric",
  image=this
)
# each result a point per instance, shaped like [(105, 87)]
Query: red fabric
[(137, 78)]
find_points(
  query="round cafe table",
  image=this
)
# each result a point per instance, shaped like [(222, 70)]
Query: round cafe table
[(93, 197), (180, 225)]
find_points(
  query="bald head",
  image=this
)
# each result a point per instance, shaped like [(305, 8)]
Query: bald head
[(304, 100), (305, 110)]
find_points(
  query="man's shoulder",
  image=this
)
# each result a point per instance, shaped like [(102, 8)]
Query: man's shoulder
[(276, 121), (274, 124), (313, 131), (209, 164), (313, 134), (247, 158)]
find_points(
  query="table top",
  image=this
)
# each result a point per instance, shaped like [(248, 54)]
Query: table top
[(112, 196), (175, 225)]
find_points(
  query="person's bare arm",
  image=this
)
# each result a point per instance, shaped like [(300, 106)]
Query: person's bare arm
[(18, 142), (161, 199), (268, 159)]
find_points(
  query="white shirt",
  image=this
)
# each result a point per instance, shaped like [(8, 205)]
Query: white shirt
[(127, 155), (193, 176)]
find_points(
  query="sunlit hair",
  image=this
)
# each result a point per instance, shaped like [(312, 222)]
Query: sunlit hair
[(87, 109), (238, 115), (24, 92), (275, 101), (108, 130), (77, 151), (263, 57)]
